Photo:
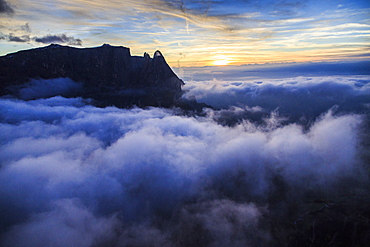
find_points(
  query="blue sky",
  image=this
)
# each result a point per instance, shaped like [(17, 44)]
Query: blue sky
[(193, 32)]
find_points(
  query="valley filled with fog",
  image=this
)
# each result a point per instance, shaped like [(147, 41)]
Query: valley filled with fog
[(268, 153)]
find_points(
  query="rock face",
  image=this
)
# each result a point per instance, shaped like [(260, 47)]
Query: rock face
[(109, 74)]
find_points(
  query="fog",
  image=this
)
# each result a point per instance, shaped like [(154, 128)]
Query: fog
[(39, 88), (72, 174)]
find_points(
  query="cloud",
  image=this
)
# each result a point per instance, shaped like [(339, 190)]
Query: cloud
[(62, 39), (5, 8), (77, 223), (245, 174), (288, 8), (20, 34), (48, 39), (20, 39), (194, 12), (222, 223), (108, 176), (26, 28), (200, 12), (263, 31), (298, 98), (39, 88)]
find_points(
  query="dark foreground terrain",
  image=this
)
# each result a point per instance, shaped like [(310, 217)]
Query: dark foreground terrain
[(107, 74)]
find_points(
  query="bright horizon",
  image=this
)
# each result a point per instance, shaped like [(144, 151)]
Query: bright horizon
[(196, 33)]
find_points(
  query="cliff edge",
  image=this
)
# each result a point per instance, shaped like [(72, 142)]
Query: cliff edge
[(107, 74)]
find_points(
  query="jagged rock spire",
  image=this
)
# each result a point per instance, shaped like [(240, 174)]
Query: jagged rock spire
[(146, 55), (157, 53)]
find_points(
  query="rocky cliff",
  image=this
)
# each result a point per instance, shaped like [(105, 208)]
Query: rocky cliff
[(108, 74)]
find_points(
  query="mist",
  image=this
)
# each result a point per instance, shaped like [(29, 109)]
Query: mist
[(72, 174), (42, 88)]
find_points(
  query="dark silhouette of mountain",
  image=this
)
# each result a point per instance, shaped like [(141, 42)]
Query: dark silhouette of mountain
[(108, 74)]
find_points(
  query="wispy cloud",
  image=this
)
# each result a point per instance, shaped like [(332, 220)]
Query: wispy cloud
[(245, 31)]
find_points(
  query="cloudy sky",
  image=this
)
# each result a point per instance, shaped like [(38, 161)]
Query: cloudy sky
[(195, 32), (285, 138)]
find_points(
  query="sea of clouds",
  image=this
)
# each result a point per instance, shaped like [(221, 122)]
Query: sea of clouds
[(72, 174)]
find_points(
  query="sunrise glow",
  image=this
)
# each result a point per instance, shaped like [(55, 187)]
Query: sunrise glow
[(182, 123), (189, 33), (221, 60)]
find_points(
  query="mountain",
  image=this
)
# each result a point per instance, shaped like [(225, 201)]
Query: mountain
[(108, 74)]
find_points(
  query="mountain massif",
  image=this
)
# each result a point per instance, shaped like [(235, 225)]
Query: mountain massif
[(108, 74)]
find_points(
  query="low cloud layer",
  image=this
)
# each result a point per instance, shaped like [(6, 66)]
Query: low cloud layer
[(75, 174), (298, 98), (40, 88)]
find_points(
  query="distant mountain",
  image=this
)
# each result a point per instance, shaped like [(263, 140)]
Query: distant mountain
[(108, 74)]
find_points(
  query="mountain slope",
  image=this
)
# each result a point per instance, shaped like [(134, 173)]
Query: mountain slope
[(109, 74)]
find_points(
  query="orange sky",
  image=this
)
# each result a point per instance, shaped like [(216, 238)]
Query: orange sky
[(196, 33)]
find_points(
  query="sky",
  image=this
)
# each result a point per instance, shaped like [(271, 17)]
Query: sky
[(286, 139), (193, 33)]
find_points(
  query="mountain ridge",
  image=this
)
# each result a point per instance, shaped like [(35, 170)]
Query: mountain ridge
[(109, 74)]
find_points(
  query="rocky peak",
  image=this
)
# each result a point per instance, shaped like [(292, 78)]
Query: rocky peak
[(157, 54), (146, 55)]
